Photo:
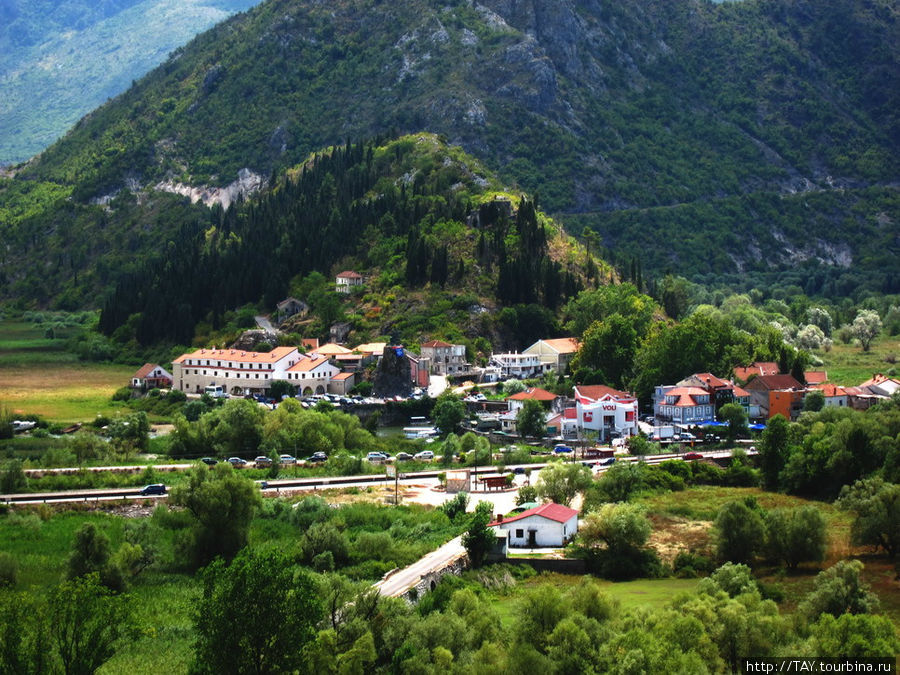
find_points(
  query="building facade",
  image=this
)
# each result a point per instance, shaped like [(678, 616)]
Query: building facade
[(446, 359), (237, 372), (554, 354), (517, 366), (607, 412), (549, 525)]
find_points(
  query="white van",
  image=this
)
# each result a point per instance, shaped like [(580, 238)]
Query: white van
[(214, 390)]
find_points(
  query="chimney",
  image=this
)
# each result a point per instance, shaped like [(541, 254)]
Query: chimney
[(499, 518)]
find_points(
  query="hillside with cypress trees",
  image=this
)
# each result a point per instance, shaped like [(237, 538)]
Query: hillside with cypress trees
[(737, 138), (426, 225)]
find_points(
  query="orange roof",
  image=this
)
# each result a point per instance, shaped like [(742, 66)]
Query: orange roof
[(567, 345), (830, 390), (712, 380), (878, 378), (595, 392), (436, 343), (349, 274), (238, 356), (815, 376), (340, 377), (310, 343), (758, 368), (535, 394), (740, 392), (306, 365), (145, 370), (686, 395), (555, 512)]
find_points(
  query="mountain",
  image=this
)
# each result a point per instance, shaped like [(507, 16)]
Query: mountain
[(60, 59), (741, 138)]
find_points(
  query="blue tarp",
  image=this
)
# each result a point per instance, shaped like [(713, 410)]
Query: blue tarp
[(757, 427), (711, 423)]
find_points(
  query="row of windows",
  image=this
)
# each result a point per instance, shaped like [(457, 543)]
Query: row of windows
[(220, 364), (235, 375), (312, 376)]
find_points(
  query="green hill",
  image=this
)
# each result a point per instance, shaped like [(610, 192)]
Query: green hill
[(736, 138)]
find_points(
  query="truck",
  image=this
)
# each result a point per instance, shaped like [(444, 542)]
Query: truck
[(663, 433)]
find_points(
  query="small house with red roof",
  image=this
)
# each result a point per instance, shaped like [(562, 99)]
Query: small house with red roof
[(835, 396), (554, 354), (151, 376), (347, 281), (744, 373), (342, 383), (546, 526)]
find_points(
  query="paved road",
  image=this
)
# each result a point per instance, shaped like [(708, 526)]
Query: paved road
[(400, 582)]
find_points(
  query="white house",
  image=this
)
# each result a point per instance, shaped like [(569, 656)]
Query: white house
[(518, 366), (237, 372), (151, 376), (554, 354), (345, 281), (835, 396), (549, 525), (605, 410), (312, 375)]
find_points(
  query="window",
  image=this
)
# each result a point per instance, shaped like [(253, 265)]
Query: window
[(520, 534)]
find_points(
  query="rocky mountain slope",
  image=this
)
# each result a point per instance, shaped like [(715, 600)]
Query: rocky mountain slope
[(60, 59), (742, 137)]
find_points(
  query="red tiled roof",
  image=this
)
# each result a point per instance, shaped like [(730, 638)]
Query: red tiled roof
[(436, 343), (567, 345), (830, 390), (815, 376), (555, 512), (595, 392), (535, 394), (340, 377), (773, 382), (758, 368), (238, 355), (686, 395), (145, 370), (310, 343), (740, 392), (711, 380), (306, 365), (349, 274), (571, 413), (878, 378)]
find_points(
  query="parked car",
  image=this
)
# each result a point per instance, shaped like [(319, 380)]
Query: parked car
[(608, 461), (561, 449), (519, 470), (402, 457), (424, 456), (154, 489), (377, 457), (318, 457), (691, 456), (209, 461), (236, 462), (262, 462), (263, 485), (287, 459)]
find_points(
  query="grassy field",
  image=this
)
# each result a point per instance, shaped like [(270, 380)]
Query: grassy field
[(849, 365), (37, 376)]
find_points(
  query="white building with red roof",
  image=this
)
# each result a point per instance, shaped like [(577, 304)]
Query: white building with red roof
[(554, 354), (546, 526), (835, 396), (311, 375), (687, 405), (151, 376), (238, 372), (345, 281), (607, 411)]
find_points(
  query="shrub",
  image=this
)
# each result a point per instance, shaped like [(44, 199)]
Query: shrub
[(9, 570), (122, 394)]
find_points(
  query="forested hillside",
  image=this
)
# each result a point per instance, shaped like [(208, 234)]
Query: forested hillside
[(703, 138), (407, 213)]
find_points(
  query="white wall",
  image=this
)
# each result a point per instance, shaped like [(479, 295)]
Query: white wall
[(548, 532)]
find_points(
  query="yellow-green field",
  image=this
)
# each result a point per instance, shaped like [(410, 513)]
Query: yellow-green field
[(38, 376), (849, 365)]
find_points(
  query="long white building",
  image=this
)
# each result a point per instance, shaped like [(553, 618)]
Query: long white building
[(237, 372)]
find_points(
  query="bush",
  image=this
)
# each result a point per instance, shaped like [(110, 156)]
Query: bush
[(122, 394), (9, 570), (690, 565)]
